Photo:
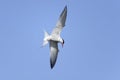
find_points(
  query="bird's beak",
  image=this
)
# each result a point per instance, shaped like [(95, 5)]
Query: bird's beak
[(62, 45)]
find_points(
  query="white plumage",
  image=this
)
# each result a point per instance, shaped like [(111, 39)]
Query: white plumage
[(55, 38)]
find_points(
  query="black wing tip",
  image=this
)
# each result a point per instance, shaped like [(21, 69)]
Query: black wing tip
[(64, 12), (65, 7), (51, 65)]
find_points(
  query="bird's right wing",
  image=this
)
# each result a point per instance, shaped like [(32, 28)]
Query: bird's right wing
[(53, 53), (61, 22)]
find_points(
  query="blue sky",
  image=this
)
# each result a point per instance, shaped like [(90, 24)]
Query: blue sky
[(91, 34)]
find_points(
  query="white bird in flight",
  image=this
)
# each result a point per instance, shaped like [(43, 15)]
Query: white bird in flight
[(55, 37)]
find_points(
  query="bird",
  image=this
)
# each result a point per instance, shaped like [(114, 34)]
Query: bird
[(54, 38)]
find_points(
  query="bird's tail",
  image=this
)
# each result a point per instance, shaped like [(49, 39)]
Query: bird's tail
[(45, 34), (45, 41)]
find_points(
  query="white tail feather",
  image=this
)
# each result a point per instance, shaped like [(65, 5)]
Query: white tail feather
[(46, 34), (45, 41)]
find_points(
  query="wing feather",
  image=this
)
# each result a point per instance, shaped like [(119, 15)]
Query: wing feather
[(53, 53), (61, 22)]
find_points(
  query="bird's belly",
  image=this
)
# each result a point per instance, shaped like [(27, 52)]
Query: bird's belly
[(54, 38)]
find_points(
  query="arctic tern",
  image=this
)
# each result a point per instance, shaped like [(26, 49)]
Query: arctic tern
[(54, 38)]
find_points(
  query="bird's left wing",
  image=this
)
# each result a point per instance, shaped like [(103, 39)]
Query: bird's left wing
[(53, 53), (61, 22)]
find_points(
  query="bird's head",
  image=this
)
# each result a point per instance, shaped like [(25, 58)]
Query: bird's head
[(62, 42)]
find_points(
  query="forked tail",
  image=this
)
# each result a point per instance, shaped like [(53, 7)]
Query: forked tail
[(45, 41)]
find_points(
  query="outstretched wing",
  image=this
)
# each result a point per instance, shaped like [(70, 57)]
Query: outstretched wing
[(53, 53), (61, 22)]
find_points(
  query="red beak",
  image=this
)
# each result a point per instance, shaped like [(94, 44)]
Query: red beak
[(62, 45)]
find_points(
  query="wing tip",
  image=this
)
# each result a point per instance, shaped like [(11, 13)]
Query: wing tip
[(65, 7), (52, 62), (52, 65), (64, 12)]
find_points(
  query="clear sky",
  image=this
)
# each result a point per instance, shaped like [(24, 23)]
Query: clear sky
[(91, 34)]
